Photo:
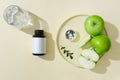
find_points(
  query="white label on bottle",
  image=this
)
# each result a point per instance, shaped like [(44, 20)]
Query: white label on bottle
[(39, 45)]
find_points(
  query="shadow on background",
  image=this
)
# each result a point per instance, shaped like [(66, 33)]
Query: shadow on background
[(113, 53), (50, 49), (36, 23), (39, 23)]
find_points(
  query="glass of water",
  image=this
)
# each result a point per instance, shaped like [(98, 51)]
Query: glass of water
[(17, 17)]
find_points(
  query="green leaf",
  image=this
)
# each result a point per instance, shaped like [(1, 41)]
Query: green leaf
[(71, 54), (65, 51), (67, 55), (62, 48), (71, 57)]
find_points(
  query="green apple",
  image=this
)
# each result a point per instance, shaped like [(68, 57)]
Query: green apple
[(101, 44), (88, 59), (94, 25), (84, 40)]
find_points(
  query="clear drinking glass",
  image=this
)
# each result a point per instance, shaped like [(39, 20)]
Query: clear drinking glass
[(17, 17)]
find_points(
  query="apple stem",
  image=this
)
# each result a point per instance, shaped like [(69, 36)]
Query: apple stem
[(94, 23)]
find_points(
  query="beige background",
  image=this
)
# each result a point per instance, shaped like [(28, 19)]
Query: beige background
[(17, 61)]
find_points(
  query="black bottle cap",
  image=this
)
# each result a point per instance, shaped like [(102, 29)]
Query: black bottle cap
[(39, 33)]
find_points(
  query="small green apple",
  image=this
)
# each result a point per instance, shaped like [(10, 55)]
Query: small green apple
[(101, 44), (94, 25)]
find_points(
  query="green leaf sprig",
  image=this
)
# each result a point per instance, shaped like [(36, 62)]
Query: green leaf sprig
[(67, 52)]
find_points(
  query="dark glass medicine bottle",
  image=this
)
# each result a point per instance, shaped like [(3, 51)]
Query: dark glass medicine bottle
[(39, 43)]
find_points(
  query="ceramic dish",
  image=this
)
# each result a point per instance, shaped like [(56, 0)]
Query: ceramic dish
[(72, 47)]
